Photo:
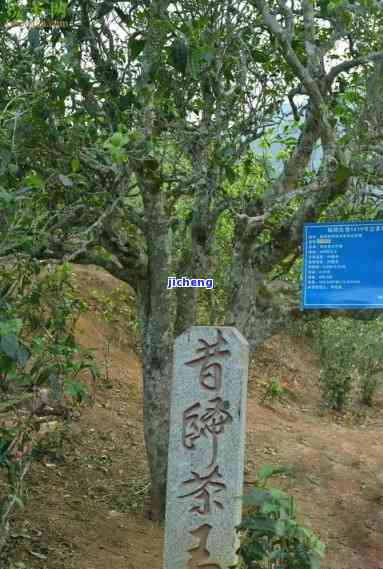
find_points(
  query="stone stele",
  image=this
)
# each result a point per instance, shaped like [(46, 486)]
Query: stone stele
[(206, 448)]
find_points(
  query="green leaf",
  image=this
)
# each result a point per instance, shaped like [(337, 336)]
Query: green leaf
[(268, 470), (178, 55), (127, 101), (27, 244), (74, 389), (10, 346), (342, 173), (23, 355), (261, 524), (94, 372), (194, 63), (208, 56), (33, 180), (270, 508), (55, 384), (75, 164), (136, 46), (278, 494), (6, 196), (260, 56), (230, 174), (18, 501), (256, 497), (59, 9), (34, 38), (280, 528), (118, 139), (13, 168), (7, 365)]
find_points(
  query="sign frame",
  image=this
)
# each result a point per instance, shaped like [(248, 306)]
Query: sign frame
[(356, 229)]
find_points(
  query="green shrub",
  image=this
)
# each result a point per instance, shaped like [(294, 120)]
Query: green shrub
[(41, 366), (119, 306), (271, 537), (304, 326), (369, 385), (349, 350), (336, 345), (369, 359)]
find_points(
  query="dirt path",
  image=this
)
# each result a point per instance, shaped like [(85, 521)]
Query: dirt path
[(87, 499)]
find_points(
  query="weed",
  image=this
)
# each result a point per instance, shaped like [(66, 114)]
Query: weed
[(271, 537)]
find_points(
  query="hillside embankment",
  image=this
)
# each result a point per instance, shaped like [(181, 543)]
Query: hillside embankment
[(88, 493)]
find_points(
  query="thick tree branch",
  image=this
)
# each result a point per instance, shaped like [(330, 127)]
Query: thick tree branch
[(347, 65), (295, 166), (309, 35), (311, 83), (290, 95), (289, 54), (288, 15)]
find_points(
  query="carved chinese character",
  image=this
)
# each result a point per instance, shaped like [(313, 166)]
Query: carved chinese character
[(200, 556), (212, 421), (202, 492), (211, 372), (191, 429)]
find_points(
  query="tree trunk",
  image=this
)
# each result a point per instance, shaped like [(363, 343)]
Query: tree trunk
[(157, 370), (195, 260), (257, 308), (157, 344), (186, 298)]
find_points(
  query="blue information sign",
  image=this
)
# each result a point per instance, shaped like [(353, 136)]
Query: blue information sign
[(343, 265)]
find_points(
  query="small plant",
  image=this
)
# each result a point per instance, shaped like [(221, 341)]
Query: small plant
[(271, 537), (369, 385), (119, 306), (274, 391), (41, 367), (336, 345), (369, 359), (304, 326), (349, 349), (336, 386)]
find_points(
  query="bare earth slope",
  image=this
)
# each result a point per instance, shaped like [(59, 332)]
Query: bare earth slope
[(88, 494)]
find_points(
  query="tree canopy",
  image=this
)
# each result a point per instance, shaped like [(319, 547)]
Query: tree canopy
[(127, 134)]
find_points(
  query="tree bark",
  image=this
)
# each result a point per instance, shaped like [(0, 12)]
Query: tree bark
[(157, 370), (259, 309), (186, 298), (157, 343)]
